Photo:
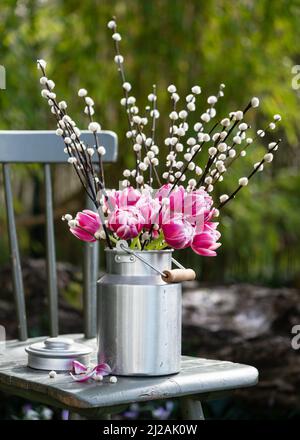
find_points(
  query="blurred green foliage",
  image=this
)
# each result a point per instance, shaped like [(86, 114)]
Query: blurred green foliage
[(248, 45)]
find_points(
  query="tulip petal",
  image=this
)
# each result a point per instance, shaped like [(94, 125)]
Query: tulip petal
[(82, 374), (78, 367), (204, 252), (83, 377), (103, 369), (82, 235)]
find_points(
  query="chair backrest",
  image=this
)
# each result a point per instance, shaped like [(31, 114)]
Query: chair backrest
[(46, 148)]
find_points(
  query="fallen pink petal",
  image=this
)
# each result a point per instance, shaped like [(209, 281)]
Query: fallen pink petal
[(78, 367), (103, 369), (83, 374), (83, 377)]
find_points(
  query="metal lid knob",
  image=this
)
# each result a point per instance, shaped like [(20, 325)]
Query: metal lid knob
[(58, 343)]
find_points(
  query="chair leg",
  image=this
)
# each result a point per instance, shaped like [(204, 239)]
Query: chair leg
[(191, 409)]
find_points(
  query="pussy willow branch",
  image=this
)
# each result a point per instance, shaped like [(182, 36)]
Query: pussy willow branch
[(185, 167), (218, 172), (212, 159), (232, 196), (93, 197), (153, 126), (219, 95), (97, 146), (70, 129), (183, 170), (229, 164), (172, 147), (181, 139), (129, 117), (84, 173), (89, 173), (127, 108), (86, 176), (84, 165)]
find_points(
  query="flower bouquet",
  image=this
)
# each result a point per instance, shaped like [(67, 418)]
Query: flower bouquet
[(165, 202)]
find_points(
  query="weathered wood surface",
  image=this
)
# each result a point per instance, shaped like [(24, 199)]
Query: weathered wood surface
[(198, 376)]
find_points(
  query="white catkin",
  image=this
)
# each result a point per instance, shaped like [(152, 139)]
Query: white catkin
[(254, 102), (101, 150), (111, 24), (243, 181), (258, 166), (239, 115), (82, 93), (171, 88), (223, 198), (196, 90), (268, 157)]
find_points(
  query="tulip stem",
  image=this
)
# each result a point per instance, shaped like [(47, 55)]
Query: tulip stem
[(113, 239), (135, 243)]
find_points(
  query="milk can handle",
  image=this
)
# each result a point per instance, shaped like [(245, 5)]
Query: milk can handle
[(169, 276)]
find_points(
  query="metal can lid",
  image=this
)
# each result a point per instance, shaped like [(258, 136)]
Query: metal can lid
[(58, 347)]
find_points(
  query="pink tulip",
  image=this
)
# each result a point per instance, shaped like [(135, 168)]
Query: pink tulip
[(163, 191), (197, 207), (122, 199), (205, 242), (129, 197), (88, 223), (178, 232), (176, 196), (149, 209), (208, 203), (113, 200), (175, 201), (126, 222), (207, 198), (194, 208)]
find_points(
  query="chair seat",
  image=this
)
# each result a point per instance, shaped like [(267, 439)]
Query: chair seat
[(197, 377)]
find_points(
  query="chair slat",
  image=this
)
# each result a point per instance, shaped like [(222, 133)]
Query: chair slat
[(45, 147), (90, 276), (51, 258), (15, 256)]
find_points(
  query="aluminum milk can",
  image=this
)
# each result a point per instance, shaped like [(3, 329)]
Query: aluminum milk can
[(139, 315)]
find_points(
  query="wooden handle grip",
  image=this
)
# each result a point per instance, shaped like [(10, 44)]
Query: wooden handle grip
[(178, 275)]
